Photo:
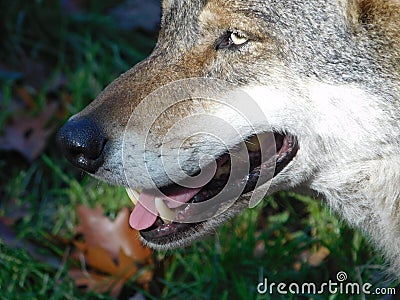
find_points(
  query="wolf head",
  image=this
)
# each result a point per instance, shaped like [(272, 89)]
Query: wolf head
[(322, 79)]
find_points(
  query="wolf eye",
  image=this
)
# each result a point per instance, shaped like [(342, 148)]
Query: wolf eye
[(231, 39), (238, 39)]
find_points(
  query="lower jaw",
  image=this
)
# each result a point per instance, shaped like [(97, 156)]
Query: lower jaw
[(184, 234)]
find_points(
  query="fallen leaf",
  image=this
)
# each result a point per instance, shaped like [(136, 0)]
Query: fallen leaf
[(316, 258), (111, 253), (312, 258), (104, 275), (111, 236), (28, 135)]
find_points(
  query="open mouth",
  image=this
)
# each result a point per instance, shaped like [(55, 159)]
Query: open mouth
[(161, 221)]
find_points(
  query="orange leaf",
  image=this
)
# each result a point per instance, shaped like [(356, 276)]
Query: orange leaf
[(111, 248), (28, 136), (111, 236), (318, 257), (312, 258), (101, 260)]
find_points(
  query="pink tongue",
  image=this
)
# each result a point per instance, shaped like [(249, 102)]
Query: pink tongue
[(180, 196), (144, 215)]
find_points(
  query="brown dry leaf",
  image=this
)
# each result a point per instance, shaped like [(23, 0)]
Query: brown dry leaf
[(318, 257), (100, 231), (105, 275), (111, 253), (312, 258), (28, 136)]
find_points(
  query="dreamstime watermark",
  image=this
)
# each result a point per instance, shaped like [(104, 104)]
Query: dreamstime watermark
[(341, 286)]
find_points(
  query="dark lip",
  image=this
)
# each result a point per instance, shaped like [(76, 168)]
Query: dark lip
[(161, 233)]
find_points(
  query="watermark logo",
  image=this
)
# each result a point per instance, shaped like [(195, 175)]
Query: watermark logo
[(339, 287), (341, 276)]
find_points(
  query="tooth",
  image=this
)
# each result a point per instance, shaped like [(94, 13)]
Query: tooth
[(133, 195), (166, 214), (253, 144)]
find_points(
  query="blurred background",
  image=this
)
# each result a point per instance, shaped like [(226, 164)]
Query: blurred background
[(64, 235)]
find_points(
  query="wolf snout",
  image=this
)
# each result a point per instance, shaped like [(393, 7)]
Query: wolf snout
[(82, 142)]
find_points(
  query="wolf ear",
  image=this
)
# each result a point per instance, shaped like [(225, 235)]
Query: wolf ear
[(381, 15), (378, 19)]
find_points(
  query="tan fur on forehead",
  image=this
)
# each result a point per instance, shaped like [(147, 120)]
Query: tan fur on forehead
[(224, 15), (215, 12)]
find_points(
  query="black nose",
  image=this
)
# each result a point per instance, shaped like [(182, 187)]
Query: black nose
[(82, 142)]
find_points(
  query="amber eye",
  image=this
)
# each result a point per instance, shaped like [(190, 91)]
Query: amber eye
[(232, 40), (238, 39)]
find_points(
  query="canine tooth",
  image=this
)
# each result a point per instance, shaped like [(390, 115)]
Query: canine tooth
[(253, 144), (166, 214), (133, 195)]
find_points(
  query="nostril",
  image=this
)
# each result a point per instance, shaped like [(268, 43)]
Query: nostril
[(82, 142)]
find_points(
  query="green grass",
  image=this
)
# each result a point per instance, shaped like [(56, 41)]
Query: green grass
[(21, 277), (89, 50)]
